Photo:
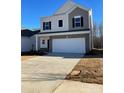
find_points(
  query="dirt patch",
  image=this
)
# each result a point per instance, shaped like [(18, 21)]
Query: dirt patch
[(27, 57), (91, 69)]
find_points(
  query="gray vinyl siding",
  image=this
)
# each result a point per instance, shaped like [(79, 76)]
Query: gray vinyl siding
[(38, 42), (25, 44), (77, 12), (86, 36)]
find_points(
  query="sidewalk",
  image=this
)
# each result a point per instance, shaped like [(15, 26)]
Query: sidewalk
[(78, 87)]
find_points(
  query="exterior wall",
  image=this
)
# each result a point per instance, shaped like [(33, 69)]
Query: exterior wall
[(67, 21), (25, 44), (86, 36), (38, 42), (79, 12), (54, 23), (33, 42)]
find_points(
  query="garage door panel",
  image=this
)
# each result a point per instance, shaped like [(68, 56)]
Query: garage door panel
[(70, 45)]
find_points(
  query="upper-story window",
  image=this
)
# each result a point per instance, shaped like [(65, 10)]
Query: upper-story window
[(46, 25), (77, 21), (60, 22)]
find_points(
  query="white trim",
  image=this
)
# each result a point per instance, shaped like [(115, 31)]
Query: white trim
[(65, 33), (75, 21), (91, 27), (90, 12), (77, 16), (68, 12)]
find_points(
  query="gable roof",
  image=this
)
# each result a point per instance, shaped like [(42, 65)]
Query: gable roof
[(28, 33), (68, 6)]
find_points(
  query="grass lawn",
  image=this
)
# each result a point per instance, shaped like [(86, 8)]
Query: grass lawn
[(90, 69)]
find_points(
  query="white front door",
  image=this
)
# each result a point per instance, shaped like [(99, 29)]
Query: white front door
[(69, 45), (43, 43)]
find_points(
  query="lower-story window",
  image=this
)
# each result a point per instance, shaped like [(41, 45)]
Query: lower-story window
[(43, 41)]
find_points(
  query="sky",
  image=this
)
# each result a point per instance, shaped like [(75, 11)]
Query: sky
[(33, 10)]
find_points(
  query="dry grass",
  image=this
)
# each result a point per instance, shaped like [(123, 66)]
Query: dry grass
[(91, 70), (26, 57)]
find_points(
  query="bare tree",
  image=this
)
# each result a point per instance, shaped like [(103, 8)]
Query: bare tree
[(98, 35), (101, 35)]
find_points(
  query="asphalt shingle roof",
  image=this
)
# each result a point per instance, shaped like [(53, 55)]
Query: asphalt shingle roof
[(28, 33)]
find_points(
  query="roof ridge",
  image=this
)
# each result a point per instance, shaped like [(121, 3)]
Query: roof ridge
[(67, 6), (68, 1)]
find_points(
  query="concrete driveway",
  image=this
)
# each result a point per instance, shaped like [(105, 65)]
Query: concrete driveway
[(45, 73)]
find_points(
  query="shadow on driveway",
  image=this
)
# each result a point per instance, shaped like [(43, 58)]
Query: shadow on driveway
[(66, 55)]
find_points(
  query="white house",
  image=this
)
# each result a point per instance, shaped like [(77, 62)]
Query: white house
[(68, 30)]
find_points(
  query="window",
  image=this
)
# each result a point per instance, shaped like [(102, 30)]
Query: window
[(46, 25), (43, 41), (77, 21), (60, 23)]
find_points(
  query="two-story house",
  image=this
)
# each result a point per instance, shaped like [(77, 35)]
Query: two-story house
[(68, 30)]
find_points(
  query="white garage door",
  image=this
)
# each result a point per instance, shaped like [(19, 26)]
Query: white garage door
[(69, 45)]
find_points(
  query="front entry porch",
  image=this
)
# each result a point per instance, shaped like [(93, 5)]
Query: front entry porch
[(42, 44)]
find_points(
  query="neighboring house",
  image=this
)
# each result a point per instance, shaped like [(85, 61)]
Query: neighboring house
[(28, 40), (68, 30)]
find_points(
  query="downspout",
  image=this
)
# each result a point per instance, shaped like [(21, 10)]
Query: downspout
[(91, 27)]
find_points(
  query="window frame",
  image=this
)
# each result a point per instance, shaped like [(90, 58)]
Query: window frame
[(43, 41), (46, 26), (77, 22), (60, 23)]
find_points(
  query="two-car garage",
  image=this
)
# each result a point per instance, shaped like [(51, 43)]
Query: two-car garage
[(68, 45)]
